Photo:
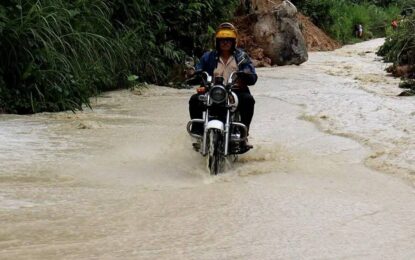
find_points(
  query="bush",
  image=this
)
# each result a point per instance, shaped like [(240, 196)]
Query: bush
[(164, 32), (399, 48), (53, 58), (338, 17), (56, 53)]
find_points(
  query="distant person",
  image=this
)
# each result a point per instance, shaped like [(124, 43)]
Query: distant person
[(394, 24), (356, 30), (360, 30)]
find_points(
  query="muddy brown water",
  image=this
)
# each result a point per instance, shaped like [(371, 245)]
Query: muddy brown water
[(330, 175)]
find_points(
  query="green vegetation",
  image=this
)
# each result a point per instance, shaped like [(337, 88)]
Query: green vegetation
[(339, 17), (55, 54), (399, 48)]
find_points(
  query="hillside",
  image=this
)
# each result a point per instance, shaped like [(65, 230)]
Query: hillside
[(317, 39)]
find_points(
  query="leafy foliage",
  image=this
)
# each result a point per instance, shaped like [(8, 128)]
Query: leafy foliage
[(52, 56), (339, 17), (57, 53), (399, 48)]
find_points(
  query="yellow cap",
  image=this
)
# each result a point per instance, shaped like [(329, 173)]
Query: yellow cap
[(225, 33)]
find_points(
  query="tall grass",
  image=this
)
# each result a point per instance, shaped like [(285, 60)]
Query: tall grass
[(55, 54), (52, 57), (338, 17)]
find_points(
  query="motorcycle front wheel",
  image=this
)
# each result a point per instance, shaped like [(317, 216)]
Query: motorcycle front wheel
[(215, 158)]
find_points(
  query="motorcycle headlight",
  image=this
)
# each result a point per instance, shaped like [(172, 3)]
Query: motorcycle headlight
[(218, 94)]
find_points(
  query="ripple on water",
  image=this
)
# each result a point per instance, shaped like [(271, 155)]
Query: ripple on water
[(12, 204)]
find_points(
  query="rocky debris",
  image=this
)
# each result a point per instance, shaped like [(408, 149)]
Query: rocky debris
[(407, 93), (273, 32), (405, 71), (247, 42), (263, 6)]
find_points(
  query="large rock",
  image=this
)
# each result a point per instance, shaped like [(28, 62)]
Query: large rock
[(275, 29), (260, 6), (278, 33)]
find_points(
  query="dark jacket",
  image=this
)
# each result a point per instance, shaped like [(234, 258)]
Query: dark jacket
[(209, 62)]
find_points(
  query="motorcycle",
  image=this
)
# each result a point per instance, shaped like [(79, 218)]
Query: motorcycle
[(223, 137)]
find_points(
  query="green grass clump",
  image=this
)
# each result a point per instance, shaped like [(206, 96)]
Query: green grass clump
[(339, 17), (399, 47), (51, 57), (55, 54)]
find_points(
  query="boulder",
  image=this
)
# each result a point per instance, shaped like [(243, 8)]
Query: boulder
[(275, 30)]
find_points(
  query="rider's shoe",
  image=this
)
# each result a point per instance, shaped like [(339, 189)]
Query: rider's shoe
[(245, 147), (248, 145), (196, 146)]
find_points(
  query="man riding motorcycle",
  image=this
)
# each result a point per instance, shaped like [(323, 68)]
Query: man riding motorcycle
[(227, 58)]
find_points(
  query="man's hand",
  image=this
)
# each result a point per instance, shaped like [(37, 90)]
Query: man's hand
[(189, 72), (240, 84)]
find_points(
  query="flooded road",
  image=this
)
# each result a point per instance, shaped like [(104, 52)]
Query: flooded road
[(331, 174)]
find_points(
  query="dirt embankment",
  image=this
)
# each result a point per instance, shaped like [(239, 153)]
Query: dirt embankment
[(405, 71), (407, 74), (317, 39)]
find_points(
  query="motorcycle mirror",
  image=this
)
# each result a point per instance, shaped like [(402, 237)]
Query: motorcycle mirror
[(206, 77)]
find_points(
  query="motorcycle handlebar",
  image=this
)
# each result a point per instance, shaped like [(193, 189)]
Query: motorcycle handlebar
[(206, 79)]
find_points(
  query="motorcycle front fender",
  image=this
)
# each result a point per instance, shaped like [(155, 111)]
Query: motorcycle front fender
[(215, 124)]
